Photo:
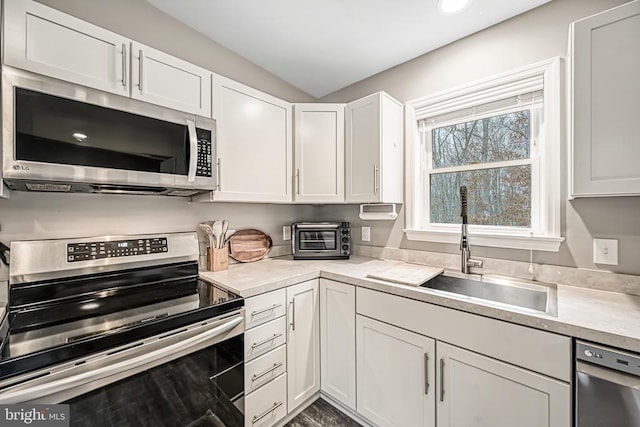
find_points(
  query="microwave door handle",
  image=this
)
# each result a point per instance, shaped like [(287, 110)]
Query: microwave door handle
[(193, 149)]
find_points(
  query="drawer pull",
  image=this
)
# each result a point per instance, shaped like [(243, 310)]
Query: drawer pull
[(263, 342), (257, 418), (264, 310), (262, 374)]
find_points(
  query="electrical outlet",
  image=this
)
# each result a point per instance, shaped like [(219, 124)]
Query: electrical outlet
[(286, 232), (366, 234), (605, 251)]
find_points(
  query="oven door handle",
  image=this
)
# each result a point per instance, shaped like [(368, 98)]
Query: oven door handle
[(47, 388), (193, 151)]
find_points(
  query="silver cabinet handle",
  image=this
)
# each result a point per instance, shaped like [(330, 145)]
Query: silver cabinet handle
[(426, 373), (297, 181), (218, 173), (193, 150), (293, 315), (262, 374), (441, 380), (376, 187), (264, 310), (257, 418), (263, 342), (140, 70), (124, 64)]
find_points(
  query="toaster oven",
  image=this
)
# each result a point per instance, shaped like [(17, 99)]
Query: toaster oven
[(321, 240)]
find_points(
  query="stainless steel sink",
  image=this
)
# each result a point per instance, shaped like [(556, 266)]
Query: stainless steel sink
[(500, 291)]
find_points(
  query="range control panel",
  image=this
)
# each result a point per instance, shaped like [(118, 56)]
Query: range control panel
[(115, 248)]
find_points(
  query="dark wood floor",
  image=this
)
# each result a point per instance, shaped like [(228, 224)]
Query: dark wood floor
[(321, 414)]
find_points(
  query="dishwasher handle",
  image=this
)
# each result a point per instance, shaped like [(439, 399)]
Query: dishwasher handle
[(610, 375)]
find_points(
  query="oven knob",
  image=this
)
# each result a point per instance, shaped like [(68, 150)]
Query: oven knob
[(345, 247), (345, 240), (588, 353)]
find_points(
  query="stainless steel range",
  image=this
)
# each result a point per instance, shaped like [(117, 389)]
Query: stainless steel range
[(122, 329)]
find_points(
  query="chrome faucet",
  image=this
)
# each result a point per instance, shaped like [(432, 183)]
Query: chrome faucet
[(467, 261)]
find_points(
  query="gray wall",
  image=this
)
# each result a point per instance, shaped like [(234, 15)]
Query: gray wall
[(140, 21), (531, 37)]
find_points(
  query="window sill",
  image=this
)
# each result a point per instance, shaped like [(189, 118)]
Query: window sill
[(494, 240)]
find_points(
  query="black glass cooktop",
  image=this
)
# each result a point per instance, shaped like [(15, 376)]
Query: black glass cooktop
[(65, 319)]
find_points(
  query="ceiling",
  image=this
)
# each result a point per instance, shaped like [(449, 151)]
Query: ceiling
[(324, 45)]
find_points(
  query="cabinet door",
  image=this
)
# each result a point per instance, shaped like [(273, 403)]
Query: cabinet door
[(338, 341), (254, 144), (303, 343), (475, 390), (319, 152), (395, 375), (165, 80), (606, 90), (363, 149), (43, 40)]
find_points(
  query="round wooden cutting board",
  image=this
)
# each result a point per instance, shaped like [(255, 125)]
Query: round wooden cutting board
[(249, 245)]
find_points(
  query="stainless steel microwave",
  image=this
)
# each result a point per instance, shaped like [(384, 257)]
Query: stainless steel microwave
[(58, 136), (321, 240)]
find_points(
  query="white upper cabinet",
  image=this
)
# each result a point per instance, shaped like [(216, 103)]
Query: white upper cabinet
[(168, 81), (43, 40), (254, 144), (375, 150), (606, 92), (319, 153)]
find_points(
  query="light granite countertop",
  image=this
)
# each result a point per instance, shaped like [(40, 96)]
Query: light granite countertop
[(604, 317)]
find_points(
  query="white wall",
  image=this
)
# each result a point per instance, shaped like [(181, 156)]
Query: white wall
[(528, 38)]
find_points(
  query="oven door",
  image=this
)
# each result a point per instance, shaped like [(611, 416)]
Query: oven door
[(316, 241), (191, 376), (60, 132)]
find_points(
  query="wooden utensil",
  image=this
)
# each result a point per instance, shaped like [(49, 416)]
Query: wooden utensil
[(249, 245)]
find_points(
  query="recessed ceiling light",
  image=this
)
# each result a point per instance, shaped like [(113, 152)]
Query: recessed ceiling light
[(449, 7)]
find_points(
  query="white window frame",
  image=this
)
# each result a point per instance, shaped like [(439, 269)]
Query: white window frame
[(544, 234)]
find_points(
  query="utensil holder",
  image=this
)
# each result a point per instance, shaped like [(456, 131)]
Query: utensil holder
[(217, 259)]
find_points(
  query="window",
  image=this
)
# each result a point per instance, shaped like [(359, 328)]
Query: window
[(501, 138)]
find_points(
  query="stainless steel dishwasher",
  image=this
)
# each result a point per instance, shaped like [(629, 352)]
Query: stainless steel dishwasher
[(607, 387)]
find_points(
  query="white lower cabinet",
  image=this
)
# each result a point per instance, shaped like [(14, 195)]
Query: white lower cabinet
[(267, 405), (475, 390), (338, 341), (395, 375), (408, 370), (303, 342)]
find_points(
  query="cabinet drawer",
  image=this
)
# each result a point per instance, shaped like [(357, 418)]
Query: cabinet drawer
[(264, 338), (265, 368), (263, 308), (268, 405)]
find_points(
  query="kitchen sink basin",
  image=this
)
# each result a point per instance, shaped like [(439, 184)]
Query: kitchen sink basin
[(500, 291)]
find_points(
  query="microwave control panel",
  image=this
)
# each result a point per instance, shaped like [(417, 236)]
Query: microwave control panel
[(115, 248), (203, 167)]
